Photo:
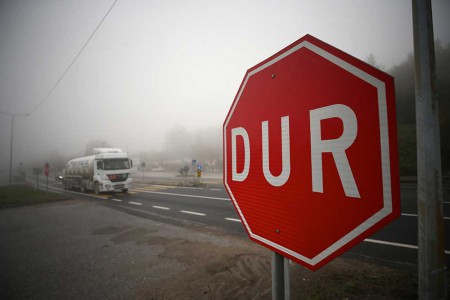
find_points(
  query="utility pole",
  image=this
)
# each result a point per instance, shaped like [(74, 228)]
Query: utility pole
[(11, 150), (429, 174), (11, 146)]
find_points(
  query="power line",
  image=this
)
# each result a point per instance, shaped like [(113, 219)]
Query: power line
[(73, 61)]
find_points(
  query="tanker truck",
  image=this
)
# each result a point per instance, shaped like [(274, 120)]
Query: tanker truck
[(106, 171)]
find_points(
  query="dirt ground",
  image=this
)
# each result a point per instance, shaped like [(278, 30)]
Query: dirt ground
[(202, 263), (79, 249), (241, 269)]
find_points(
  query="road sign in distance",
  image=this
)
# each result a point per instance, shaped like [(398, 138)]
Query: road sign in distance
[(46, 169)]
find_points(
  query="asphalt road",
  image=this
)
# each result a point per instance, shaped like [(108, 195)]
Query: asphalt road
[(211, 207)]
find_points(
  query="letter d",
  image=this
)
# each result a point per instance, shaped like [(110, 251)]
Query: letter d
[(235, 176)]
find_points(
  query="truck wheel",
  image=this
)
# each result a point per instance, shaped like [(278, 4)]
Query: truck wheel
[(125, 190), (96, 188)]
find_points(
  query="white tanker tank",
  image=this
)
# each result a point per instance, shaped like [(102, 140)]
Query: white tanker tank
[(83, 166), (109, 169)]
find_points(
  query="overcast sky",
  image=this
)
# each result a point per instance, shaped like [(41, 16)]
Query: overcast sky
[(153, 65)]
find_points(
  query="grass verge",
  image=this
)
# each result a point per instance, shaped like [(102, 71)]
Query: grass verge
[(19, 195)]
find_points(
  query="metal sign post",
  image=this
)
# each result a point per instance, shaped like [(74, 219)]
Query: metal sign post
[(46, 172), (37, 172), (280, 277), (429, 174), (143, 168)]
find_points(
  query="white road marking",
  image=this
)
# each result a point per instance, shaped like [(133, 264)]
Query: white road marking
[(413, 215), (152, 186), (187, 195), (161, 207), (234, 220), (135, 203), (409, 215), (137, 190), (188, 187), (213, 189), (118, 200), (391, 244), (397, 244), (192, 213)]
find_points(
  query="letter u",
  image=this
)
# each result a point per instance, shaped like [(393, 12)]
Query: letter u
[(285, 150)]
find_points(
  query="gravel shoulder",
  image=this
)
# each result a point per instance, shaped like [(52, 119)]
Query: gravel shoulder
[(78, 249)]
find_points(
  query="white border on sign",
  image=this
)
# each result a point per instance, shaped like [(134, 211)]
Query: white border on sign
[(385, 156)]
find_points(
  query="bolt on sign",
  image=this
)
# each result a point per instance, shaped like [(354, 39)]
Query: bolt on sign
[(310, 152)]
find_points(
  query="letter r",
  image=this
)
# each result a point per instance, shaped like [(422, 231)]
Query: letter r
[(336, 146)]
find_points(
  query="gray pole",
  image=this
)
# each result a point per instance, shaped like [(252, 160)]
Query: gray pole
[(429, 174), (11, 145), (287, 280), (277, 277), (280, 277), (11, 150)]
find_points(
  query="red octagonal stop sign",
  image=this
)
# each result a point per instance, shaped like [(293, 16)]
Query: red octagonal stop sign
[(310, 152), (46, 169)]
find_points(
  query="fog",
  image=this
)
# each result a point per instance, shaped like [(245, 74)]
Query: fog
[(160, 76)]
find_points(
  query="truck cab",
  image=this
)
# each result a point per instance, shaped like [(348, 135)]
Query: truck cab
[(112, 172)]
